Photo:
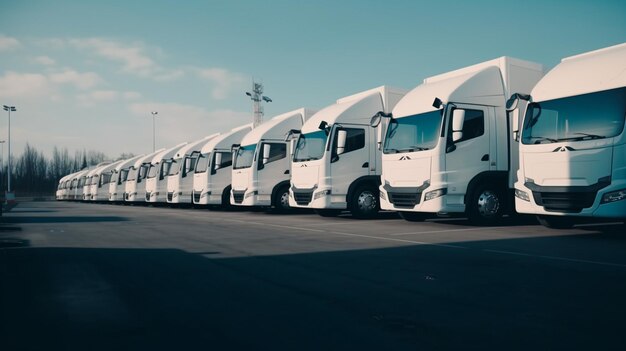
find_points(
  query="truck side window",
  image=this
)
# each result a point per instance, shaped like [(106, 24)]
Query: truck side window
[(277, 152), (355, 139), (473, 126)]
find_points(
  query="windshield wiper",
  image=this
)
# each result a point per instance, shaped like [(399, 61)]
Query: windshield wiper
[(540, 139), (408, 149), (587, 136)]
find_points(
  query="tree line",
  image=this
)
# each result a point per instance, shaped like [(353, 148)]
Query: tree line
[(34, 174)]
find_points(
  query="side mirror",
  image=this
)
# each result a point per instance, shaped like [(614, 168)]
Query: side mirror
[(218, 161), (511, 103), (266, 153), (292, 146), (515, 123), (322, 125), (458, 118), (341, 141), (375, 121)]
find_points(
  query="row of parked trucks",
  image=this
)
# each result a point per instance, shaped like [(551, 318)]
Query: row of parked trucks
[(484, 141)]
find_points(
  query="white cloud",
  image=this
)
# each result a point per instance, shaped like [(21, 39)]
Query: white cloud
[(97, 96), (14, 84), (225, 81), (44, 60), (79, 80), (8, 43)]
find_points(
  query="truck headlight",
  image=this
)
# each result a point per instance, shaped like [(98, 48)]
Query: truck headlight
[(435, 194), (613, 196), (321, 193), (252, 193), (522, 195)]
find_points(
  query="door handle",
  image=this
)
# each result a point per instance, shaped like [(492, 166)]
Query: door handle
[(366, 164), (485, 157)]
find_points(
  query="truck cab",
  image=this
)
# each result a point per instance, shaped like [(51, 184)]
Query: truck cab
[(212, 176), (336, 163), (449, 147), (572, 142), (180, 178), (261, 167), (119, 174), (135, 187), (100, 182), (156, 182)]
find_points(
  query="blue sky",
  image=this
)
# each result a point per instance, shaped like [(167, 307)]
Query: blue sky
[(86, 74)]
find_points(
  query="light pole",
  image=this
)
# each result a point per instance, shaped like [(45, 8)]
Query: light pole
[(1, 162), (257, 97), (154, 113), (9, 109)]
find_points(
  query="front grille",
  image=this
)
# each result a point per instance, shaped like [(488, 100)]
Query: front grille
[(170, 195), (238, 196), (303, 197), (571, 202), (196, 197), (404, 199)]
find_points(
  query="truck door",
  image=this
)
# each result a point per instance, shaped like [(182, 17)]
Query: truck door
[(354, 161), (272, 166), (470, 155)]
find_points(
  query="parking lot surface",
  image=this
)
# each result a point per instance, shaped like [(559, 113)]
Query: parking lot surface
[(98, 276)]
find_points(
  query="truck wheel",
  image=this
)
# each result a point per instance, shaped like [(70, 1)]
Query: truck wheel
[(487, 205), (281, 199), (226, 205), (414, 216), (555, 222), (328, 213), (364, 202)]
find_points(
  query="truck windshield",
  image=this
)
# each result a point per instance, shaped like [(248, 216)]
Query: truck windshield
[(132, 174), (413, 133), (310, 146), (174, 167), (123, 175), (203, 163), (584, 117), (106, 178), (245, 156), (152, 172)]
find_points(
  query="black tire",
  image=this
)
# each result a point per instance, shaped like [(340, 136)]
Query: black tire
[(487, 204), (226, 205), (281, 199), (555, 222), (414, 216), (328, 213), (364, 202)]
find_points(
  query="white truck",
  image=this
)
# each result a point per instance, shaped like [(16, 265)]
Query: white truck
[(135, 188), (78, 184), (213, 174), (449, 147), (261, 165), (100, 180), (63, 187), (336, 163), (156, 183), (180, 178), (119, 174), (573, 144)]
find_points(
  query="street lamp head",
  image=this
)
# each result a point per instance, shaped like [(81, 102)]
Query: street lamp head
[(267, 99), (9, 108), (248, 93), (154, 113)]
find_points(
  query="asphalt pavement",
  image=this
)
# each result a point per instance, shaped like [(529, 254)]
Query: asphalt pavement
[(82, 276)]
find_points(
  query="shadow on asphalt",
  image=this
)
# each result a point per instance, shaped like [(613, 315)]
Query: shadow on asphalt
[(63, 219), (412, 297)]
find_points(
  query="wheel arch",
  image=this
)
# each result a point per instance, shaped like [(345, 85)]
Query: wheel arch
[(373, 180)]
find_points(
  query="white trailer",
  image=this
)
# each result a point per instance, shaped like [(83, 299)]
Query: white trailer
[(135, 190), (573, 144), (449, 148), (100, 180), (156, 184), (261, 165), (180, 178), (213, 174), (119, 174), (336, 163)]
